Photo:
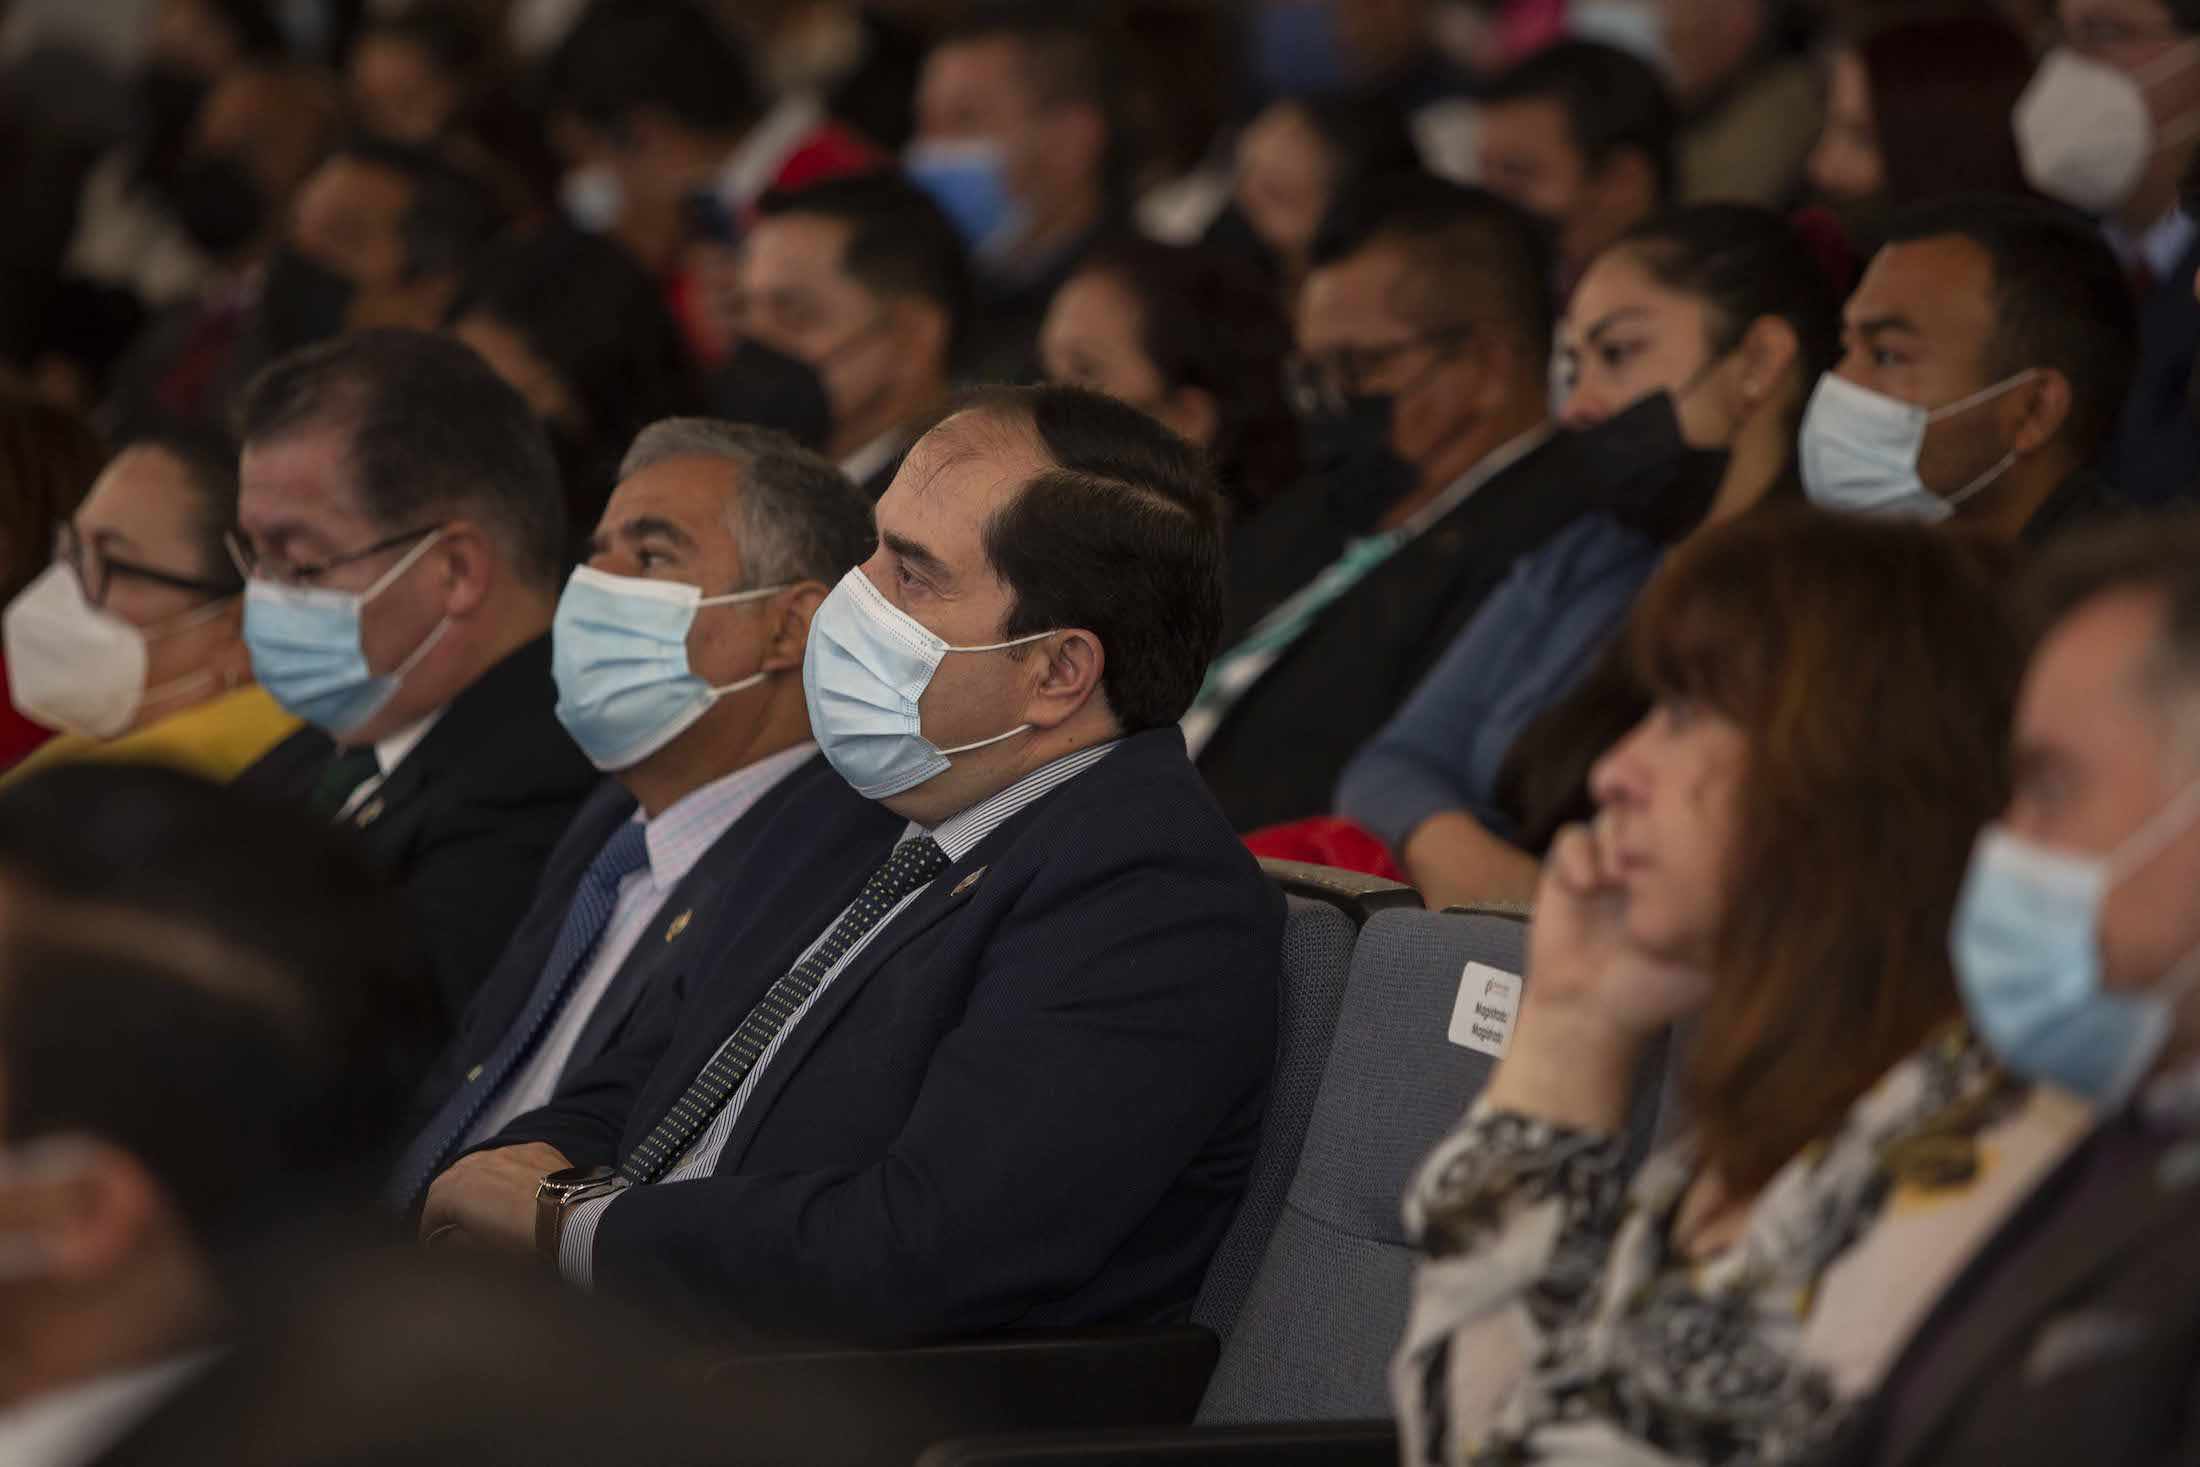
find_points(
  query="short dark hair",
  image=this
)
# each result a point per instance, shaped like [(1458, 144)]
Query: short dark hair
[(1073, 56), (252, 25), (49, 457), (1954, 79), (208, 458), (433, 431), (1614, 102), (2157, 556), (626, 57), (451, 215), (211, 981), (1474, 258), (2060, 300), (446, 32), (899, 241), (1121, 535)]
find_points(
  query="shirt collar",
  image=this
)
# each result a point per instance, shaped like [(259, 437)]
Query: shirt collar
[(391, 749), (692, 824), (959, 835), (753, 167), (79, 1423), (2161, 245)]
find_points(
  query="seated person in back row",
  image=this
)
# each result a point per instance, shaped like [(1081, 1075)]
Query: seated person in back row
[(1013, 1075), (403, 533), (678, 657)]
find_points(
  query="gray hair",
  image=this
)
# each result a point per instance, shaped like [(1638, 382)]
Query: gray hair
[(795, 517)]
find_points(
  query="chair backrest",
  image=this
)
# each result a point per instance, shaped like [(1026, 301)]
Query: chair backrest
[(1359, 895), (1317, 953), (1314, 1339)]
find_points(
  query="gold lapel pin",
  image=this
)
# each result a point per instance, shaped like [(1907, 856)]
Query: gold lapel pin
[(370, 812), (679, 924), (966, 883)]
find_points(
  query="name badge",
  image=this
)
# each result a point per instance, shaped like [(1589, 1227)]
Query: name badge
[(1482, 1018)]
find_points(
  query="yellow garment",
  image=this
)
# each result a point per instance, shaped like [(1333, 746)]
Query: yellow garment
[(218, 739)]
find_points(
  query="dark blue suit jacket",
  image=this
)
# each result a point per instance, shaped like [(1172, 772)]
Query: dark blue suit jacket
[(1032, 1100), (806, 829), (2157, 456)]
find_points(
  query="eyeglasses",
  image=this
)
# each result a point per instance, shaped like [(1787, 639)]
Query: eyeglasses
[(254, 566), (1315, 385), (96, 570)]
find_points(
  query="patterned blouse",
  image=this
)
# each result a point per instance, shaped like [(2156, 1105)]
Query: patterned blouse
[(1554, 1320)]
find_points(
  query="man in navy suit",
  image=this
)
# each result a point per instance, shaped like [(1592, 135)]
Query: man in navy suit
[(1016, 1080), (677, 654)]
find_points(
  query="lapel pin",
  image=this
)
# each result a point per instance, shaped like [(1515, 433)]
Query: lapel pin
[(370, 812), (473, 1074), (679, 924), (2179, 1167), (966, 883)]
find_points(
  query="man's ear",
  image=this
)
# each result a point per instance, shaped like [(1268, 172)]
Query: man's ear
[(1071, 665), (469, 566), (790, 612), (2044, 406), (76, 1209)]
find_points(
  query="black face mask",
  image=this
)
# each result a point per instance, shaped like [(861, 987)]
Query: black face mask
[(219, 203), (1349, 453), (303, 301), (770, 389), (1636, 466)]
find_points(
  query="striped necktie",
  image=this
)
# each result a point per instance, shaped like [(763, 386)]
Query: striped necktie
[(913, 864)]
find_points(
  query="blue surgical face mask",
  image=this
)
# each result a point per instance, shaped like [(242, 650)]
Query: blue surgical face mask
[(868, 664), (969, 181), (619, 653), (2027, 951), (1860, 448), (307, 653)]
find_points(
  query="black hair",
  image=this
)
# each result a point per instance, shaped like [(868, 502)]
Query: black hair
[(212, 982), (1204, 323), (899, 241), (252, 25), (208, 457), (433, 431), (1474, 257), (1614, 102), (1121, 534), (1366, 134), (447, 32), (2060, 300), (631, 55), (1745, 263), (450, 214)]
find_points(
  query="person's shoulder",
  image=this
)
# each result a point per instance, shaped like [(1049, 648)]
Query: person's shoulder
[(1142, 806)]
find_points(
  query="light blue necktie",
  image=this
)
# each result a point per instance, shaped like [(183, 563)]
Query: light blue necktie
[(594, 901)]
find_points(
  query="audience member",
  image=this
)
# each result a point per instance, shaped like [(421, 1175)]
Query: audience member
[(1178, 332), (412, 75), (853, 297), (48, 460), (208, 1019), (682, 142), (259, 136), (129, 233), (1019, 139), (1424, 341), (382, 235), (1988, 349), (1295, 160), (678, 654), (1953, 79), (1059, 993), (1749, 106), (2108, 126), (131, 644), (1690, 348), (402, 538), (579, 330), (2077, 943), (1581, 136), (1777, 853)]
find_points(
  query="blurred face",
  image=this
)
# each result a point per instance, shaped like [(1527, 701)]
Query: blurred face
[(1092, 339), (981, 91), (192, 35), (140, 525), (1847, 165), (398, 91), (1286, 178), (1625, 336), (1670, 796), (2096, 758), (1347, 318), (794, 296), (350, 218), (1918, 329), (1709, 41), (1528, 156)]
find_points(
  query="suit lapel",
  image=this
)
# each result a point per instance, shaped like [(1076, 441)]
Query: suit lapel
[(1994, 1322), (671, 941)]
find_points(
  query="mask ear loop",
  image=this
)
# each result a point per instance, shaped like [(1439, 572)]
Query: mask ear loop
[(1965, 404), (737, 598), (1019, 728)]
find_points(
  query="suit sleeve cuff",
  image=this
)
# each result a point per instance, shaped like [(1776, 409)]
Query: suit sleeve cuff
[(577, 1243)]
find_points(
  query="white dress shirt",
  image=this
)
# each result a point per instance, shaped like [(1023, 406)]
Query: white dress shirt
[(77, 1424), (676, 840), (957, 838), (390, 751)]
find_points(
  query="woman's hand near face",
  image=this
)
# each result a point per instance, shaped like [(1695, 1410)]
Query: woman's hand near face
[(1593, 998)]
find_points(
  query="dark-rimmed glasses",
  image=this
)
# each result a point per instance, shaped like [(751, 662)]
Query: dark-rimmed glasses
[(96, 568), (1325, 383), (254, 566)]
